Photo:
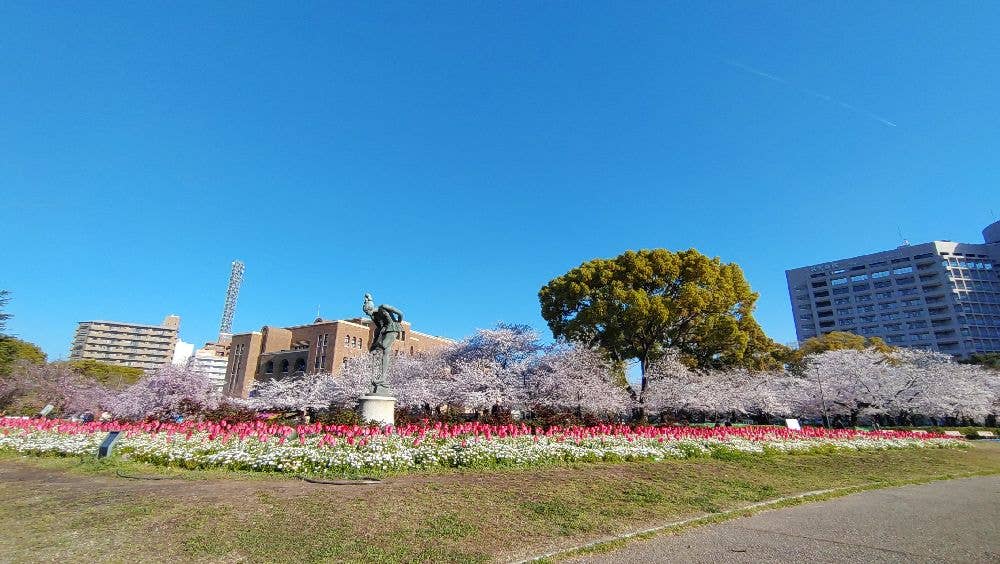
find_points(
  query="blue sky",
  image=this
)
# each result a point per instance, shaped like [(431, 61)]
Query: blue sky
[(453, 158)]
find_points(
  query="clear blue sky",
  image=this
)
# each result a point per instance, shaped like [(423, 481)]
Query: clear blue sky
[(452, 158)]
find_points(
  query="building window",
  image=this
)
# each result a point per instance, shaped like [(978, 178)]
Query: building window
[(269, 367), (838, 281), (321, 345), (300, 365), (284, 366), (903, 270)]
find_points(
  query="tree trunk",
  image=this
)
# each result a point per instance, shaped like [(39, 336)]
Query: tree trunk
[(640, 411)]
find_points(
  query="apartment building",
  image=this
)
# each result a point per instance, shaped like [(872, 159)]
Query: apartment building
[(321, 346), (126, 344), (211, 360), (942, 296)]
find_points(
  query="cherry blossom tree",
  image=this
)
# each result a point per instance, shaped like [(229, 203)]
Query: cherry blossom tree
[(958, 392), (575, 378), (843, 383), (423, 381), (508, 345), (357, 375), (485, 384), (31, 386), (168, 391), (900, 385), (314, 391), (673, 387)]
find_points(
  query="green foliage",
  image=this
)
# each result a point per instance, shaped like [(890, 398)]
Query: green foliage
[(986, 360), (638, 304), (340, 417), (4, 316), (834, 341), (839, 340), (231, 412), (109, 375), (13, 350)]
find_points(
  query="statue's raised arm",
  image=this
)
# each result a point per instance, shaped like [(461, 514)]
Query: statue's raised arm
[(397, 315)]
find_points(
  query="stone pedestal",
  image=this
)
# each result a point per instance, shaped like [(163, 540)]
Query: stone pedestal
[(378, 409)]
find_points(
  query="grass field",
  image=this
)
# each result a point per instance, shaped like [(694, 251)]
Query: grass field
[(68, 508)]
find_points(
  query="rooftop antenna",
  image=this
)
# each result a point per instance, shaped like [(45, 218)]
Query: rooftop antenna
[(232, 292), (906, 242)]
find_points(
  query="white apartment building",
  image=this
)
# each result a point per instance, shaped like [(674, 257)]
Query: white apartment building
[(211, 360)]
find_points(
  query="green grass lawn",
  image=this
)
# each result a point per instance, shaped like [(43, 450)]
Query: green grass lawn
[(62, 509)]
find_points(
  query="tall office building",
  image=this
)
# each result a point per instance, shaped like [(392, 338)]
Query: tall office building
[(127, 344), (942, 296), (321, 346)]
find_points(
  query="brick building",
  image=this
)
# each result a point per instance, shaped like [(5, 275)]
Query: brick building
[(321, 346)]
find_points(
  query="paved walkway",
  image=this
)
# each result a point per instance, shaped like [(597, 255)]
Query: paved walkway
[(948, 521)]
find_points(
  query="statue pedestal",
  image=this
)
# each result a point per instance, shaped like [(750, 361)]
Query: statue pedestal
[(378, 409)]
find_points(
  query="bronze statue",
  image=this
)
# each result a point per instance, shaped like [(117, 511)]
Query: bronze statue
[(388, 326)]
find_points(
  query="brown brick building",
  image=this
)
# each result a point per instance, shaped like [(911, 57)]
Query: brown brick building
[(322, 346)]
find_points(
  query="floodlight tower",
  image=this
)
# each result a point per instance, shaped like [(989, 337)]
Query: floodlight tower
[(232, 292)]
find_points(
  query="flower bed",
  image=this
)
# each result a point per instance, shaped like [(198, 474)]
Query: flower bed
[(340, 449)]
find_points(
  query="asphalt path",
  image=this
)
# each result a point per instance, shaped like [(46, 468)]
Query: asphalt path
[(946, 521)]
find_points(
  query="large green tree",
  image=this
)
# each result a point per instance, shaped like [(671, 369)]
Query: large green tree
[(641, 303)]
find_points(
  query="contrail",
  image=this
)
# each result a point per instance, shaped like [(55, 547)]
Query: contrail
[(810, 92)]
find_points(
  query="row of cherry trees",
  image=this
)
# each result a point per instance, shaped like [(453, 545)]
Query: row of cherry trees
[(905, 386), (506, 370), (167, 392), (496, 369)]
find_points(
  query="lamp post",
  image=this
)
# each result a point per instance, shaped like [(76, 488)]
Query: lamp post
[(822, 400)]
